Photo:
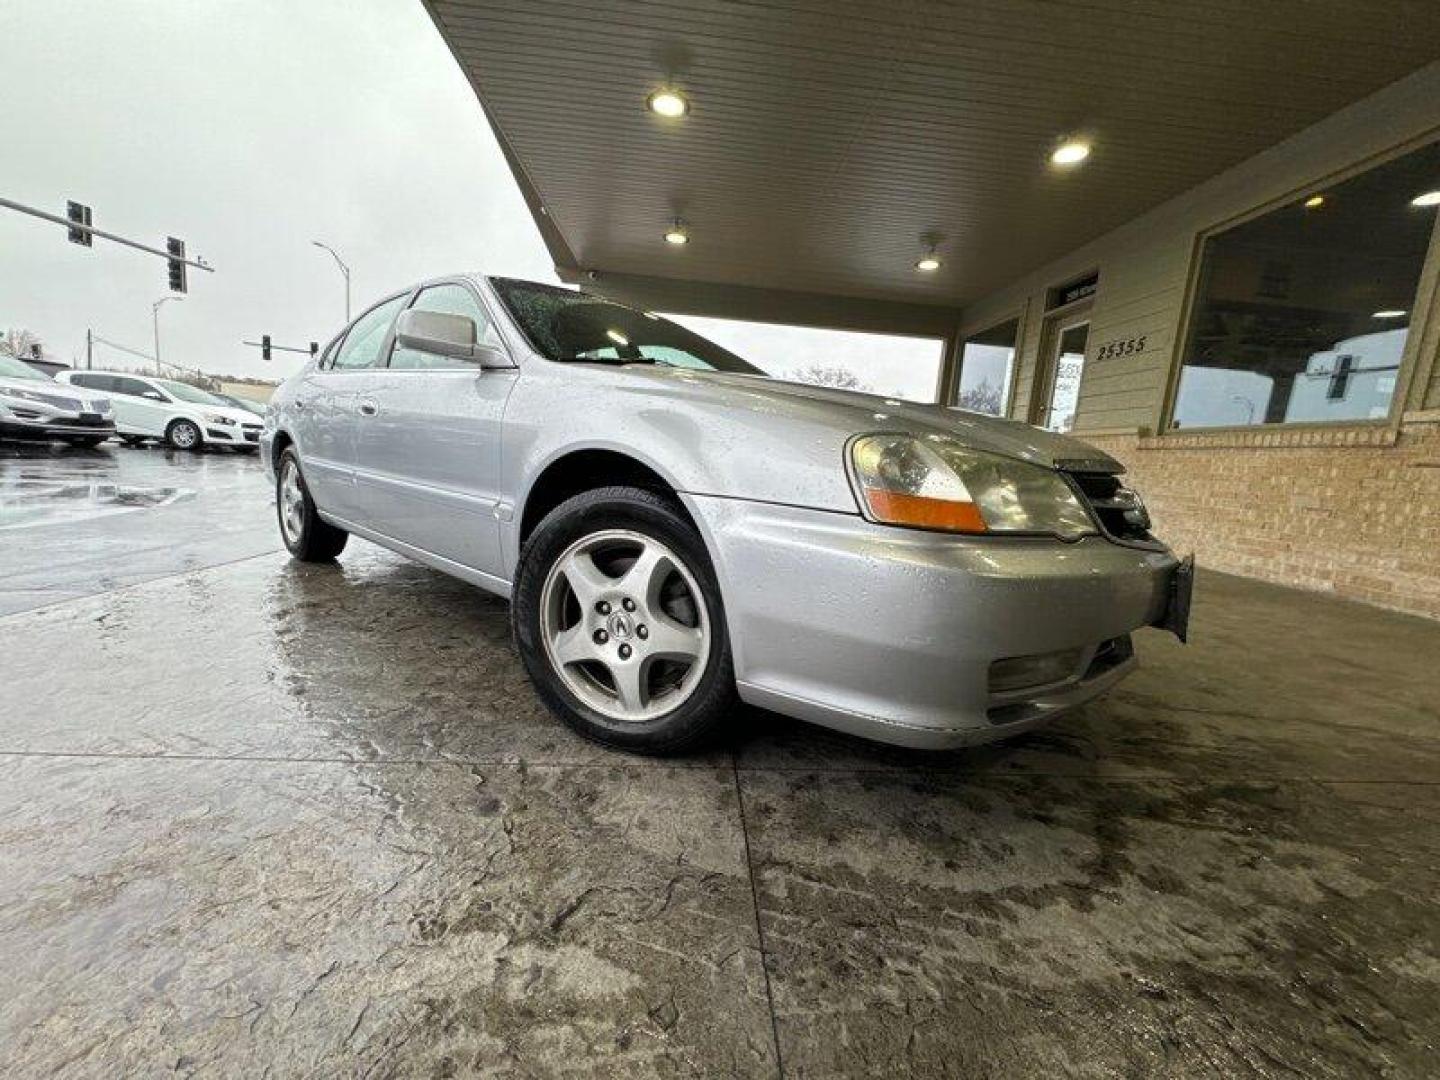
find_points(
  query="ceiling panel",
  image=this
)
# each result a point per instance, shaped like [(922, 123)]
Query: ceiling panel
[(827, 141)]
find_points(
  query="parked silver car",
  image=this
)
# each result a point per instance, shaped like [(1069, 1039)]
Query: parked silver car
[(673, 528), (34, 406)]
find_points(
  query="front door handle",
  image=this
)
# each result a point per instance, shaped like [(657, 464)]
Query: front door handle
[(368, 408), (300, 404)]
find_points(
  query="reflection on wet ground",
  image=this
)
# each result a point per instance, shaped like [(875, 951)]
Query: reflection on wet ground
[(77, 522), (261, 816)]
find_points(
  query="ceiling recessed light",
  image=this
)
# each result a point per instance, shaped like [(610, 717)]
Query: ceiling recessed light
[(928, 264), (617, 337), (1390, 313), (1070, 152), (1430, 198), (676, 234), (668, 103), (1314, 202)]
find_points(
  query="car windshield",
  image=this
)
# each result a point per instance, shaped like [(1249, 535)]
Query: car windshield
[(563, 324), (11, 368), (192, 394)]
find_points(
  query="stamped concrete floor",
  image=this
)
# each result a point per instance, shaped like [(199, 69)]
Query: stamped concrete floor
[(258, 818)]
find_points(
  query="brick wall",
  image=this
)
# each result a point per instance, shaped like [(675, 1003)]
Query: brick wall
[(1355, 512)]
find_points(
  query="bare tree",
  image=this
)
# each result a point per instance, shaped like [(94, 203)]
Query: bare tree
[(18, 343), (984, 398), (839, 378)]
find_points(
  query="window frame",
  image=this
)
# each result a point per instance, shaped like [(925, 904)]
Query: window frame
[(458, 365), (949, 391), (1423, 309)]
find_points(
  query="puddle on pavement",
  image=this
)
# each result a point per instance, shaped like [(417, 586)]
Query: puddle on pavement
[(27, 503)]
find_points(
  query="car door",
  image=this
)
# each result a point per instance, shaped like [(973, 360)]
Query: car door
[(140, 408), (428, 441), (324, 406)]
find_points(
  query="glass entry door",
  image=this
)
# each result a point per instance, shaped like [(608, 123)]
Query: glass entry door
[(1065, 368)]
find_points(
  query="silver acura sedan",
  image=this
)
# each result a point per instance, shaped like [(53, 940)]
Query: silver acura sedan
[(674, 529)]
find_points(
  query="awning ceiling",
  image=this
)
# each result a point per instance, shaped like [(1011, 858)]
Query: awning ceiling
[(829, 145)]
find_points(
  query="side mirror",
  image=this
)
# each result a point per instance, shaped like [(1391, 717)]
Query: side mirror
[(153, 395), (443, 334)]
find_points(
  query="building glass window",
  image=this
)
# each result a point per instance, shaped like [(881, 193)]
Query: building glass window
[(1301, 315), (986, 361)]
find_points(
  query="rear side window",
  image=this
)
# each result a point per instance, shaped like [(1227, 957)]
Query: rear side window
[(92, 382), (361, 347)]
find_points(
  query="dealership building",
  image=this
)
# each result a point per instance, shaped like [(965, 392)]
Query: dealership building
[(1201, 237)]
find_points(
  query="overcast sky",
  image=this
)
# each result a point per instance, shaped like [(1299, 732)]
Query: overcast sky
[(249, 129)]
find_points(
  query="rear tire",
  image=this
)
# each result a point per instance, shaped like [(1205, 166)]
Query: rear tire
[(638, 661), (184, 435), (307, 537)]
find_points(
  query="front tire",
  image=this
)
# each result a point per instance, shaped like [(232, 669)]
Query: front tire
[(617, 616), (184, 435), (306, 536)]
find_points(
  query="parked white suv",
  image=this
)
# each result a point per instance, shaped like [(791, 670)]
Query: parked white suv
[(183, 416)]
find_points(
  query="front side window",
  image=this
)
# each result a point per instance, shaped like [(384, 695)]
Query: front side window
[(448, 299), (362, 344), (986, 360), (133, 387), (563, 324), (1302, 314)]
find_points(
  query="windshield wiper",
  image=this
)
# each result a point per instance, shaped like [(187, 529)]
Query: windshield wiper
[(617, 361)]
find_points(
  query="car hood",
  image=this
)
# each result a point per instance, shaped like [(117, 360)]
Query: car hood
[(864, 413), (61, 395)]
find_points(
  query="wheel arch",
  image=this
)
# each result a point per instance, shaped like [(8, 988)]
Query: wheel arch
[(581, 469)]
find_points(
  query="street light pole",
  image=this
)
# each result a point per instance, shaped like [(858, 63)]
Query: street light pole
[(155, 314), (343, 269)]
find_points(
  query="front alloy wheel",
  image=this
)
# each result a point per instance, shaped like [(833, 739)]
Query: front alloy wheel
[(618, 618), (625, 625), (184, 435)]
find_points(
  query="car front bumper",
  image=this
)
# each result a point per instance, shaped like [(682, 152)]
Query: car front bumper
[(891, 633), (232, 435), (43, 422)]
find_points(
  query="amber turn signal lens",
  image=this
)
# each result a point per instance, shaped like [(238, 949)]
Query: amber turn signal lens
[(896, 508)]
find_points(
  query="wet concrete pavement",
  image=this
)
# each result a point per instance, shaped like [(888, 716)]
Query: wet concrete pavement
[(263, 817)]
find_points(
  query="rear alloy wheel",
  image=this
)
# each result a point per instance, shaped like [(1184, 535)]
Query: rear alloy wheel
[(618, 618), (306, 536), (184, 435)]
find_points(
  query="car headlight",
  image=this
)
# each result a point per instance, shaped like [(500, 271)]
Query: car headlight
[(216, 418), (24, 395), (103, 406), (935, 483)]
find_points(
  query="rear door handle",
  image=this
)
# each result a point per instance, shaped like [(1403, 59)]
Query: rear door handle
[(368, 408)]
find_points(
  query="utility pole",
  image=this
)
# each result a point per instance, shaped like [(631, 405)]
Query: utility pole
[(89, 349), (343, 269), (155, 313)]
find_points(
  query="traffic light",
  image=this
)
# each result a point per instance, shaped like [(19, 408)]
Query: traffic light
[(176, 263), (265, 347), (79, 214), (314, 347)]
